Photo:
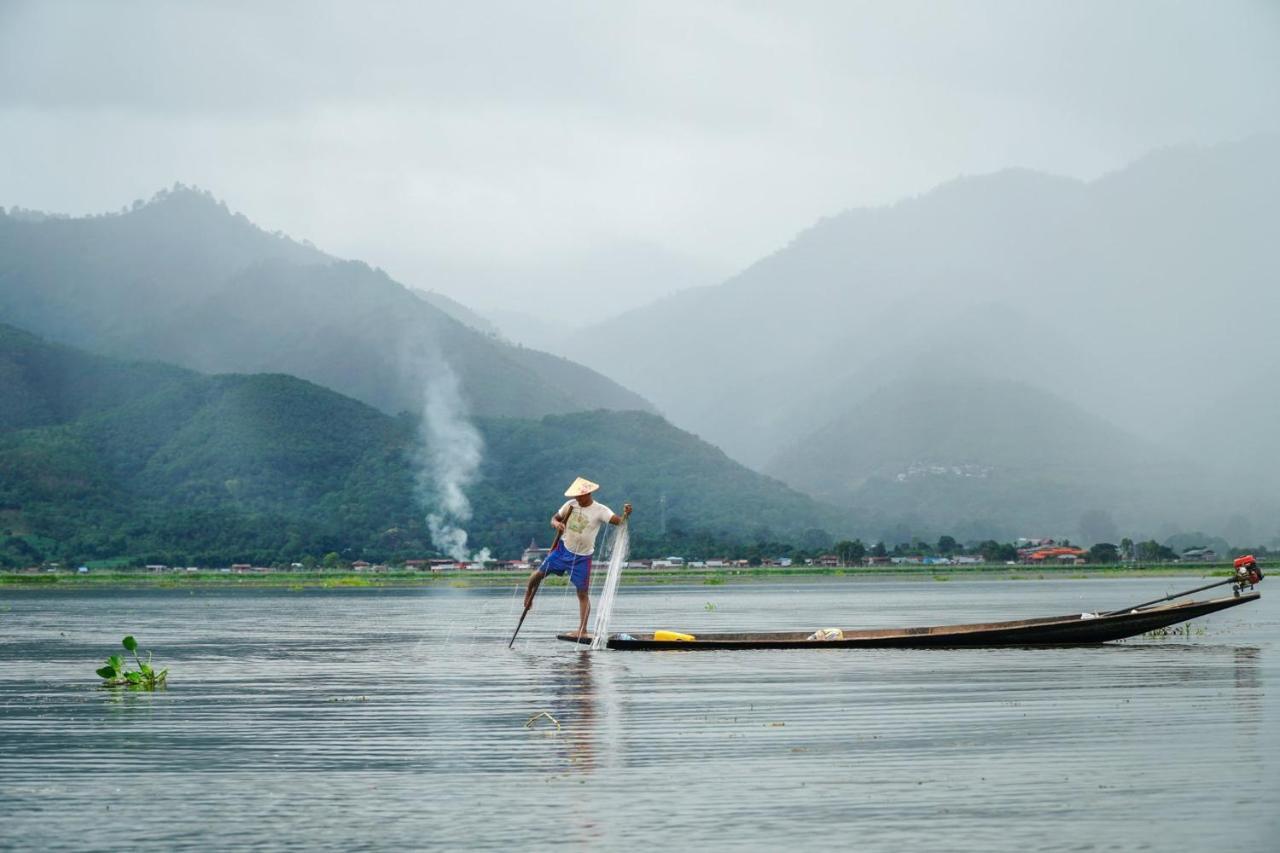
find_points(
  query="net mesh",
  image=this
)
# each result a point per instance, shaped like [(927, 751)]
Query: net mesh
[(617, 556)]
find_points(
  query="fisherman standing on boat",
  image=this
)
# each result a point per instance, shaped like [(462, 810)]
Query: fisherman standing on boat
[(576, 523)]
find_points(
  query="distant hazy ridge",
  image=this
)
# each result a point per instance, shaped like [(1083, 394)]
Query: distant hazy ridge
[(1005, 355), (1015, 305), (182, 279)]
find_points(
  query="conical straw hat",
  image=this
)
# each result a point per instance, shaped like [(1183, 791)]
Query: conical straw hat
[(580, 487)]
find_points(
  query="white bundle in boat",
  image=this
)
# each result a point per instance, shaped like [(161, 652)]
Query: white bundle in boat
[(617, 556)]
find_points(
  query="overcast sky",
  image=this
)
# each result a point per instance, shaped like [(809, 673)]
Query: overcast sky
[(522, 154)]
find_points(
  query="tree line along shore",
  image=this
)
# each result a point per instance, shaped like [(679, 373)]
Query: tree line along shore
[(387, 576)]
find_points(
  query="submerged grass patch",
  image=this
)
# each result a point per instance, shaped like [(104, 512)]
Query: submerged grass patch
[(28, 580), (1184, 630), (347, 581)]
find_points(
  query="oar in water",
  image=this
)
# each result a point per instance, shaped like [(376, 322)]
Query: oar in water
[(518, 624), (554, 542)]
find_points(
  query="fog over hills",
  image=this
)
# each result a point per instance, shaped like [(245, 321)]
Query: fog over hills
[(183, 279), (1143, 298), (1006, 354), (107, 458), (945, 450)]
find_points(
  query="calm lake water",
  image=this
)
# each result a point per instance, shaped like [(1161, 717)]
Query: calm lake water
[(371, 718)]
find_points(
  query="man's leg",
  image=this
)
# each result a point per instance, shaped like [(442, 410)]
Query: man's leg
[(531, 588), (584, 608)]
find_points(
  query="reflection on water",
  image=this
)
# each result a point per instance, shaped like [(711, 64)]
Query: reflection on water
[(576, 702), (366, 718)]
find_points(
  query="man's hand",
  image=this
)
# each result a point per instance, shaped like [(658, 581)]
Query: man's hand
[(626, 510), (557, 524)]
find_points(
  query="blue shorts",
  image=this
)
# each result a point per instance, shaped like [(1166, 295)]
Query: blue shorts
[(562, 560)]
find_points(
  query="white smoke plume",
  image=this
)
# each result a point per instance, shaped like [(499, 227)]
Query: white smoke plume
[(449, 457)]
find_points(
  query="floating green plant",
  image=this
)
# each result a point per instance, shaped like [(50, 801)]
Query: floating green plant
[(145, 677)]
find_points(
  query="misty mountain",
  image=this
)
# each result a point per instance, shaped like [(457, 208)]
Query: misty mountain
[(109, 458), (184, 280), (460, 312), (1140, 297), (571, 288), (947, 452)]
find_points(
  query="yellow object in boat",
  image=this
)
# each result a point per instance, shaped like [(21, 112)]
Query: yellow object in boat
[(669, 636)]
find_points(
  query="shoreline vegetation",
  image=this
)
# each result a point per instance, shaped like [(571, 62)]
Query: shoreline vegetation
[(320, 579)]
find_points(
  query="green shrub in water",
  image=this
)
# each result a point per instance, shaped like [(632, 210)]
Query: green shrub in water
[(115, 673)]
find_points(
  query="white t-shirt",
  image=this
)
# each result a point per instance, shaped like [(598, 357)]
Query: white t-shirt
[(580, 531)]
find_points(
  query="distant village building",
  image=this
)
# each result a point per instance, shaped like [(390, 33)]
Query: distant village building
[(533, 555), (1052, 553), (1199, 555)]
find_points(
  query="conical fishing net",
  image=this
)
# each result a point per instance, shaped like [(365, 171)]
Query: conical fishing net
[(617, 557)]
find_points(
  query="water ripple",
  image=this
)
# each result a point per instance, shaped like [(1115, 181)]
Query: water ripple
[(361, 719)]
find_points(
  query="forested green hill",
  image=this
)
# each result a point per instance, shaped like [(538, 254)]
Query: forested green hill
[(104, 458)]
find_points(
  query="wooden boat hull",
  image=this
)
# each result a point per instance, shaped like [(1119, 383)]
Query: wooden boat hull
[(1072, 630)]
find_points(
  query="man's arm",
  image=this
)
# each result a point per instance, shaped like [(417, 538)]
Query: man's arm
[(557, 522), (626, 511)]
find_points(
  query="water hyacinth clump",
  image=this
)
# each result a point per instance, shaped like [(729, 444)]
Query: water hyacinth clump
[(145, 677)]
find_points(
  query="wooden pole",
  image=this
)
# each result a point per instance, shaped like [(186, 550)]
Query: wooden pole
[(518, 624), (1168, 597), (554, 543)]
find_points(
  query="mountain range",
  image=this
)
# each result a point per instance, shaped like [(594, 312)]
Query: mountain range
[(184, 280), (107, 458), (1007, 354), (1141, 299)]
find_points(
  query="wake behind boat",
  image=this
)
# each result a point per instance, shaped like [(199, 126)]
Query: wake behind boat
[(1069, 630)]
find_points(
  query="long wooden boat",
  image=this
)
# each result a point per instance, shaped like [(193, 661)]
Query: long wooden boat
[(1071, 630)]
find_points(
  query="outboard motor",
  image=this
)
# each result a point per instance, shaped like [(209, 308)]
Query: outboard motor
[(1247, 572)]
